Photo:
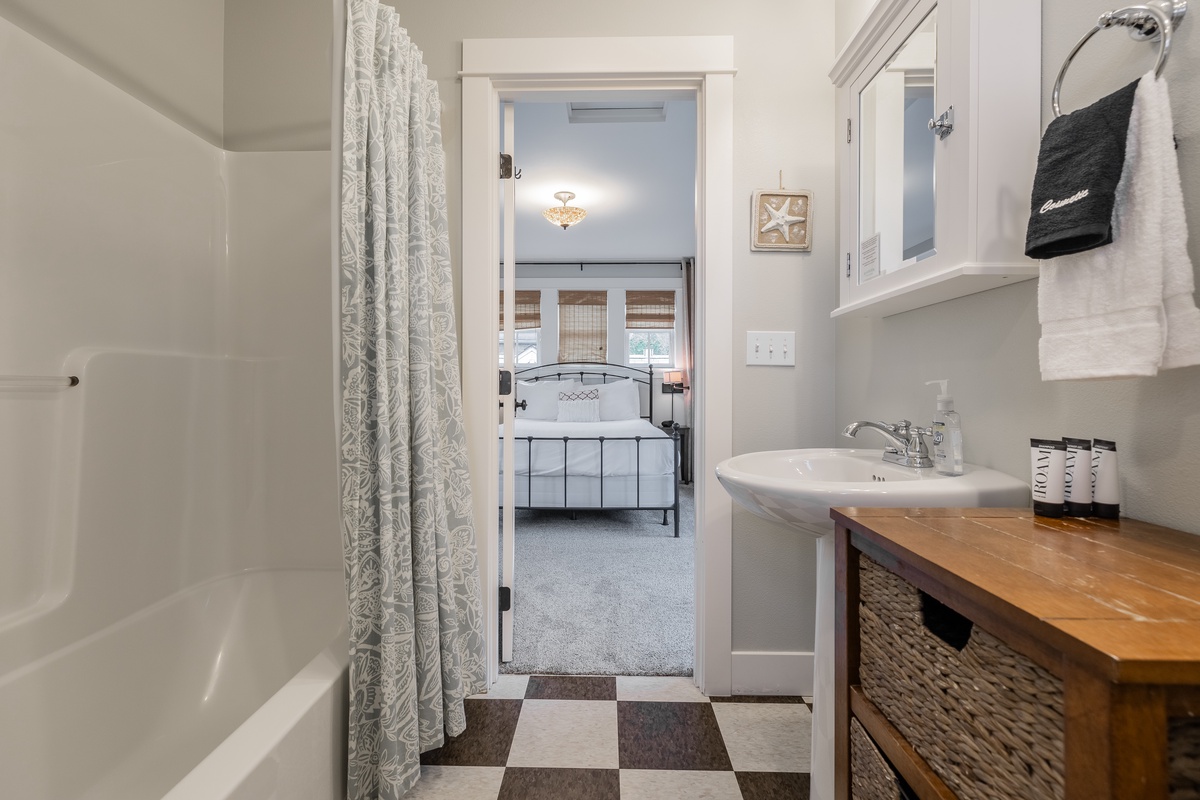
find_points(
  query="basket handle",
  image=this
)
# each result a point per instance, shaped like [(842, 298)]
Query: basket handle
[(945, 623)]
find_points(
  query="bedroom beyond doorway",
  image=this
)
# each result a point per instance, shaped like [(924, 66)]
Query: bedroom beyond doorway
[(597, 587)]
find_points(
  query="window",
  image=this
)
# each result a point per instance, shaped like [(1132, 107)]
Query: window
[(528, 324), (526, 344), (583, 326), (650, 328), (650, 347)]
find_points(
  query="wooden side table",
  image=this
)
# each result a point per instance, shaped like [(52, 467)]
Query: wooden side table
[(1106, 612)]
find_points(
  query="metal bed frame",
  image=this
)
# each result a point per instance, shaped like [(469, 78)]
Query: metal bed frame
[(603, 371)]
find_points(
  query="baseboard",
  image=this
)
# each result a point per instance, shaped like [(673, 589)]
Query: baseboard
[(756, 672)]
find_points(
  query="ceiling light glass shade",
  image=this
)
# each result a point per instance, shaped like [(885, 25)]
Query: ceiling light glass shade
[(564, 216)]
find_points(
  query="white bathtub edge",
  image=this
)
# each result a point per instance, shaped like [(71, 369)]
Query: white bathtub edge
[(233, 762)]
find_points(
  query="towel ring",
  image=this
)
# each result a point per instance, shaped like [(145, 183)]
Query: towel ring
[(1147, 21)]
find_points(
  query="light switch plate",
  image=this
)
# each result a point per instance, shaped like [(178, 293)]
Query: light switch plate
[(771, 348)]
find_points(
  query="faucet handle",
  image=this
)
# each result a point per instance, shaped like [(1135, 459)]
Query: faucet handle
[(916, 441)]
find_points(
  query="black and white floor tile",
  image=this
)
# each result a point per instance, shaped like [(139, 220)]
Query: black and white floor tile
[(621, 738)]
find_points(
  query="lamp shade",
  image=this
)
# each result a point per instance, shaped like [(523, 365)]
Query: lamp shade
[(673, 376), (564, 216)]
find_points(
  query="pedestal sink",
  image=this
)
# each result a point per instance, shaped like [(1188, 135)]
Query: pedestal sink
[(798, 487)]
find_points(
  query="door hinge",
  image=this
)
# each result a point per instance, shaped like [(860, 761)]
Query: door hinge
[(506, 168), (848, 129), (505, 598), (505, 383), (847, 265)]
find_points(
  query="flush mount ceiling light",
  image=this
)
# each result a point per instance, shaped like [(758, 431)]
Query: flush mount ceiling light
[(564, 216)]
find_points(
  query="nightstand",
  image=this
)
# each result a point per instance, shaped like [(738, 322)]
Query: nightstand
[(685, 454)]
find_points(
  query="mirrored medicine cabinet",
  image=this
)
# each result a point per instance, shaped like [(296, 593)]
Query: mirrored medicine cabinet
[(941, 102)]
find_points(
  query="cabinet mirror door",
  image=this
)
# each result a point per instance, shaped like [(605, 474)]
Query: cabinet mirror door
[(896, 197)]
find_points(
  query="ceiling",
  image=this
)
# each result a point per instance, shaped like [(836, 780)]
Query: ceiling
[(637, 181)]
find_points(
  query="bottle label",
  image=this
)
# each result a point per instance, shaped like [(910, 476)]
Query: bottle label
[(939, 438)]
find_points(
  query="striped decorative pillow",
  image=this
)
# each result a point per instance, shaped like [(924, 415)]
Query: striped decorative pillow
[(579, 405)]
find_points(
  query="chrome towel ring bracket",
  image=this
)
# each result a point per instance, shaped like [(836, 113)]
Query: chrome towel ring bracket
[(1157, 19)]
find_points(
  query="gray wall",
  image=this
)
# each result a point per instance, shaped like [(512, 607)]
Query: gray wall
[(166, 53), (987, 343), (277, 86)]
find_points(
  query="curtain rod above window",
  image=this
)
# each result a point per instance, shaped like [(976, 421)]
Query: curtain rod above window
[(582, 262)]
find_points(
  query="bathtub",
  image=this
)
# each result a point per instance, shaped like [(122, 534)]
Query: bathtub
[(233, 688)]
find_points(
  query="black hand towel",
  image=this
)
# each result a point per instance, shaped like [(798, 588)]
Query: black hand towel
[(1079, 166)]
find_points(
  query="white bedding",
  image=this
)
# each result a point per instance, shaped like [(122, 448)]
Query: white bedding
[(657, 450)]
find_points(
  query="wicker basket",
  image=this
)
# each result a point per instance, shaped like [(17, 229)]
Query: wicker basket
[(1183, 758), (871, 777), (987, 719)]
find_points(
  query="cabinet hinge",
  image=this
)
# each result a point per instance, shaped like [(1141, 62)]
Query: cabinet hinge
[(848, 129)]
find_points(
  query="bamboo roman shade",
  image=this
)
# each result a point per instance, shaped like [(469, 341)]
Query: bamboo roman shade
[(528, 309), (583, 326), (650, 309)]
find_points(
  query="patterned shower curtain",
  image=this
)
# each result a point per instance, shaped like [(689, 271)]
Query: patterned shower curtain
[(416, 634)]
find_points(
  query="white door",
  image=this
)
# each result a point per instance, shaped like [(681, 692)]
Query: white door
[(508, 283)]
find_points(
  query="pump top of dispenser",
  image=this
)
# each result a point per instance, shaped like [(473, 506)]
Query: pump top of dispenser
[(944, 401)]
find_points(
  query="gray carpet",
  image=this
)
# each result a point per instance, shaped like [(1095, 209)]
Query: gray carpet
[(609, 593)]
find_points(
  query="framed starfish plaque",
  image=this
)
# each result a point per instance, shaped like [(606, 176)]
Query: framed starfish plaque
[(780, 220)]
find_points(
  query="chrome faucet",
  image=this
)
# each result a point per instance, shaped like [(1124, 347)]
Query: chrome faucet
[(907, 446)]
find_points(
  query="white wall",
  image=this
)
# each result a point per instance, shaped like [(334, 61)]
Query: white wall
[(282, 319), (110, 239), (200, 440), (847, 16), (987, 343), (166, 54)]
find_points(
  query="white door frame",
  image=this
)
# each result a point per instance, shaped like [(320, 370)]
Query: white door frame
[(503, 68)]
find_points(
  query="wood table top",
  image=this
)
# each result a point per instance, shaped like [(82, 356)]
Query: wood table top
[(1122, 596)]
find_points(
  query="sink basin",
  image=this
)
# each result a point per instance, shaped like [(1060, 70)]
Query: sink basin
[(798, 487)]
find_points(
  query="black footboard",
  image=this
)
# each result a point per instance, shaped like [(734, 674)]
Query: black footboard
[(565, 443)]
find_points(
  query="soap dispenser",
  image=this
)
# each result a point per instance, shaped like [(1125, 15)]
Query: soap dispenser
[(947, 433)]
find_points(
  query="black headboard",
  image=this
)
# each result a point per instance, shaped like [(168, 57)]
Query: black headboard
[(598, 372)]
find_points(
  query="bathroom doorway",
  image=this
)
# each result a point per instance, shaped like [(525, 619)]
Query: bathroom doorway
[(499, 70)]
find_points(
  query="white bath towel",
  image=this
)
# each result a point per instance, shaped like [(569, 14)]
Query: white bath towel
[(1126, 309)]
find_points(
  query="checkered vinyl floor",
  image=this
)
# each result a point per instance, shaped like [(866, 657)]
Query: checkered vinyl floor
[(632, 738)]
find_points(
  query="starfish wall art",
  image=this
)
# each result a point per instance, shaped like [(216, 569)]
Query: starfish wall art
[(781, 220)]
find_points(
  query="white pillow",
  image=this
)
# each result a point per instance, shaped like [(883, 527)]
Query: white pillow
[(579, 405), (541, 397), (620, 400)]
